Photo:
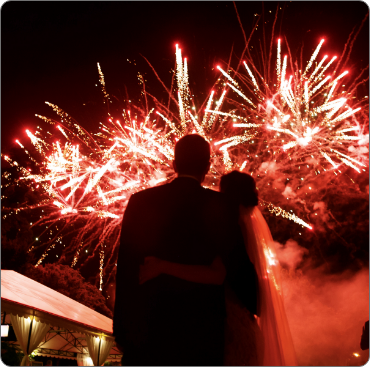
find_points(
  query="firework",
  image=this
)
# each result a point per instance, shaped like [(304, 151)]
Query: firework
[(296, 128), (88, 180), (305, 115)]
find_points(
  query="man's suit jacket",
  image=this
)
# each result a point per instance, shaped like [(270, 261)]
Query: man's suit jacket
[(168, 320)]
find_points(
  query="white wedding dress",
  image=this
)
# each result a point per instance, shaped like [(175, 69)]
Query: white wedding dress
[(265, 340)]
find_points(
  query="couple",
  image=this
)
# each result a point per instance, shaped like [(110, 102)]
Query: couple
[(184, 249)]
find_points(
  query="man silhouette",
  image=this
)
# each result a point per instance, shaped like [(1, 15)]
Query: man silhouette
[(167, 320)]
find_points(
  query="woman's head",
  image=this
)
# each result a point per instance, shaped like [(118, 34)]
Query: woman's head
[(240, 187)]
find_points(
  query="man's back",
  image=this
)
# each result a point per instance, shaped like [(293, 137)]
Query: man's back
[(168, 320)]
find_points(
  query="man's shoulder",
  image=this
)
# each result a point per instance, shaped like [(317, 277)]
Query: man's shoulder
[(163, 192), (222, 203), (217, 196), (150, 192), (213, 195)]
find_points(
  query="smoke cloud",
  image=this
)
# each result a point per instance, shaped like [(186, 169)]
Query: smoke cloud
[(364, 140), (269, 167), (359, 150), (291, 254), (289, 193), (326, 313)]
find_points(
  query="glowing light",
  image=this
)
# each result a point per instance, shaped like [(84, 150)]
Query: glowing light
[(340, 76), (279, 127), (316, 127), (17, 141), (62, 131), (246, 125), (279, 211), (209, 103), (240, 94), (227, 76), (318, 67), (313, 57), (251, 75), (283, 71), (348, 157), (243, 166), (68, 210), (212, 119), (278, 62)]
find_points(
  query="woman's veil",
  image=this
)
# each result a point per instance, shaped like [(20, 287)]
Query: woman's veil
[(278, 343)]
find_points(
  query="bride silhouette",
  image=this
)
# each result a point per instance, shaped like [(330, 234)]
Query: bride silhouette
[(249, 339), (274, 345)]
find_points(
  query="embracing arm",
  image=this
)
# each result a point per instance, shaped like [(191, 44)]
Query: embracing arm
[(205, 274)]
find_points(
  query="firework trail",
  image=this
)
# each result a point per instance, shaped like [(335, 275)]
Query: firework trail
[(88, 180), (299, 125), (307, 115), (88, 192)]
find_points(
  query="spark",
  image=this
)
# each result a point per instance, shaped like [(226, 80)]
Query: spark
[(352, 159), (313, 57), (278, 62), (227, 76), (17, 141), (246, 125), (240, 94), (243, 165), (88, 180), (349, 163), (318, 67), (251, 75), (62, 131), (209, 103), (213, 118), (279, 211), (305, 118)]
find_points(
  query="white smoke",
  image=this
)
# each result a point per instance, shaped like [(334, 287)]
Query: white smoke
[(268, 167), (326, 314), (289, 193), (359, 150), (291, 254)]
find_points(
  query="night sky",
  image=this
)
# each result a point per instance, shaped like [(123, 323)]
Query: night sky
[(50, 49)]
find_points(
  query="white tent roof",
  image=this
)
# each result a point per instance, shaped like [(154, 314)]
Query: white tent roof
[(25, 297), (69, 319)]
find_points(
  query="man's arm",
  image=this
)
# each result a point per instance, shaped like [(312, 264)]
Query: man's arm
[(204, 274)]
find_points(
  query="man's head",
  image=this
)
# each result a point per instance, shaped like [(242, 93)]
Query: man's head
[(192, 155)]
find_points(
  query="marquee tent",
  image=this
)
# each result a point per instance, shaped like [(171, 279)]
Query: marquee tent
[(49, 323)]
